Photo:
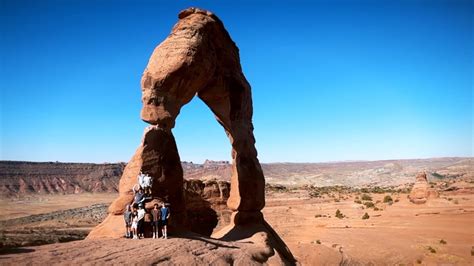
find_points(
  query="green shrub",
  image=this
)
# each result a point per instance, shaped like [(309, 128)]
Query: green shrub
[(432, 250), (366, 197), (369, 204), (437, 175), (442, 241), (366, 216), (318, 242), (378, 190), (387, 199), (358, 201), (339, 214)]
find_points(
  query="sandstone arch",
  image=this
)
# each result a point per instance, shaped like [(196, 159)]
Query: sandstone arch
[(202, 59), (198, 58)]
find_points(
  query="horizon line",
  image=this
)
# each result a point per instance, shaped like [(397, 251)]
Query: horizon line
[(287, 162)]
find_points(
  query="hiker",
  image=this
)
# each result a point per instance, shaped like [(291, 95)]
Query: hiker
[(145, 182), (155, 222), (147, 224), (140, 216), (135, 224), (140, 178), (139, 197), (127, 216), (165, 215)]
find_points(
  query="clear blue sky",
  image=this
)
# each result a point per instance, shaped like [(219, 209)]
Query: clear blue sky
[(331, 80)]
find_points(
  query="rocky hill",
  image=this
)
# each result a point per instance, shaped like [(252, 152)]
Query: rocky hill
[(18, 178), (366, 173)]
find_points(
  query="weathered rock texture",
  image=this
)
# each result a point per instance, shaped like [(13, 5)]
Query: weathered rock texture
[(206, 209), (421, 190), (198, 58), (186, 249)]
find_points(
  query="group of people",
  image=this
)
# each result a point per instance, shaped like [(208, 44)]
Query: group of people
[(136, 216)]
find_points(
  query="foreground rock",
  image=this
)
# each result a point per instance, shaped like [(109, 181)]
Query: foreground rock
[(185, 249), (422, 191)]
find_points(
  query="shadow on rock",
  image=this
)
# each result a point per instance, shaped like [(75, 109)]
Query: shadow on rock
[(5, 251)]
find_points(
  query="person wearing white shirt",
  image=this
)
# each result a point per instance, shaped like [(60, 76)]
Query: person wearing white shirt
[(140, 217)]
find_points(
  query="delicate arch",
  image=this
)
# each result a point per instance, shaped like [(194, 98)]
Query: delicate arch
[(199, 57)]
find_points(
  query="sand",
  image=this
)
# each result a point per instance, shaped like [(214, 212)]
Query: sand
[(37, 204)]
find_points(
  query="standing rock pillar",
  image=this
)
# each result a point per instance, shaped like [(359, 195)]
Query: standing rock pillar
[(247, 194), (160, 160)]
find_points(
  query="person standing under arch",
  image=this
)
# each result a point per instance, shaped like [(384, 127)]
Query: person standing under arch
[(165, 215), (140, 224), (156, 217)]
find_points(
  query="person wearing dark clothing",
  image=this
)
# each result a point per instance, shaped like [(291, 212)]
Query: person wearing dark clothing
[(155, 222), (139, 197), (127, 217), (165, 215)]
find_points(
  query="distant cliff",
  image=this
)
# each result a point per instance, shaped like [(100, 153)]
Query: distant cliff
[(18, 178)]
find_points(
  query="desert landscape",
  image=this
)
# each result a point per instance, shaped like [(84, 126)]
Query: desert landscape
[(340, 89), (321, 224)]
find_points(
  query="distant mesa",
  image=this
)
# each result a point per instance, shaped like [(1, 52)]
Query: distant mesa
[(421, 190), (19, 178), (209, 163)]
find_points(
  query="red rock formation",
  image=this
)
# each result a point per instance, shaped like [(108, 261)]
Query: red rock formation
[(21, 178), (199, 58), (421, 190), (206, 209)]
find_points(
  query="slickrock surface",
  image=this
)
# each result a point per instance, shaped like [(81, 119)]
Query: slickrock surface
[(185, 249)]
